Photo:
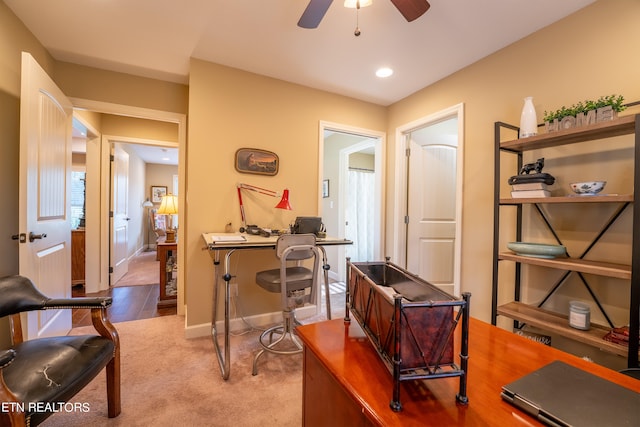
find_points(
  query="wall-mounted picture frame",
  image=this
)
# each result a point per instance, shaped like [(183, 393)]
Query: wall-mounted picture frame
[(157, 191), (256, 161), (325, 188)]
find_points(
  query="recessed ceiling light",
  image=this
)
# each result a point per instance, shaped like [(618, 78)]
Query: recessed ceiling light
[(353, 3), (384, 72)]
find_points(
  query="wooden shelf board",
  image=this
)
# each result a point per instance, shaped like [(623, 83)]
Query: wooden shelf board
[(622, 126), (619, 198), (554, 322), (620, 271)]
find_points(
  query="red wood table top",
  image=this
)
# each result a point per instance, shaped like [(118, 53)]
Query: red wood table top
[(496, 357)]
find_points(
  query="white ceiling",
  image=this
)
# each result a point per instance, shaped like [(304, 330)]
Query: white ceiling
[(156, 154), (156, 38)]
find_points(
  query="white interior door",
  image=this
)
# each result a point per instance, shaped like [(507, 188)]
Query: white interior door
[(45, 189), (120, 240), (433, 205)]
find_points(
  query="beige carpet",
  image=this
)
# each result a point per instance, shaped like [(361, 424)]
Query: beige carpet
[(143, 270), (168, 380)]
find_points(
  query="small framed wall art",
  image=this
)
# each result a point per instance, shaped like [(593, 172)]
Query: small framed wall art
[(157, 191), (325, 188), (253, 160)]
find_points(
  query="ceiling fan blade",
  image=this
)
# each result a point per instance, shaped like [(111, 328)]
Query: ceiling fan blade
[(411, 9), (314, 13)]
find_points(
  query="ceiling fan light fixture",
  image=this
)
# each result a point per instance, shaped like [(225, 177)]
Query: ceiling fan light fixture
[(384, 72), (353, 4)]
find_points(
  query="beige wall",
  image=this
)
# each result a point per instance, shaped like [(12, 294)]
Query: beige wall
[(89, 118), (230, 109), (14, 38), (160, 175), (132, 127), (586, 55), (78, 81)]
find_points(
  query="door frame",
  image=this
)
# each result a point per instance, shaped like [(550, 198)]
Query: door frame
[(92, 192), (399, 245), (379, 146), (102, 162)]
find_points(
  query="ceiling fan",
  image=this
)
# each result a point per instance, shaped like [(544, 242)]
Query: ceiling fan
[(313, 14)]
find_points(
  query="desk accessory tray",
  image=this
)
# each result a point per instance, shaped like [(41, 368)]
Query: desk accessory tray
[(410, 323)]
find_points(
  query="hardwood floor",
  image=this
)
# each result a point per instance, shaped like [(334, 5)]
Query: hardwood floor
[(140, 302), (129, 303)]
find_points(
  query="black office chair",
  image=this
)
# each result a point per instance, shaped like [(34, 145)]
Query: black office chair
[(52, 370), (300, 288)]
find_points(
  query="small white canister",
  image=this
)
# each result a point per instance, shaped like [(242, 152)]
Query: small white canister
[(579, 315)]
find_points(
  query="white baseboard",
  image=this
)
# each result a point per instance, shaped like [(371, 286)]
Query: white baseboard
[(333, 276), (237, 324), (136, 253)]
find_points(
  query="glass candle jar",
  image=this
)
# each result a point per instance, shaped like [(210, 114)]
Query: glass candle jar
[(579, 315)]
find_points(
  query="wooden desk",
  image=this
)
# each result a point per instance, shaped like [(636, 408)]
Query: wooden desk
[(345, 382), (229, 243)]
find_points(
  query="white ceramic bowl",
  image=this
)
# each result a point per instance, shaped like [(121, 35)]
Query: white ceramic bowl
[(588, 187)]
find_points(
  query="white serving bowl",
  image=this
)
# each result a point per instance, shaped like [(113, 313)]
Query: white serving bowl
[(587, 187)]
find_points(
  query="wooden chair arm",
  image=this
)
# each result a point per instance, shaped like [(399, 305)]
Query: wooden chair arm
[(106, 329)]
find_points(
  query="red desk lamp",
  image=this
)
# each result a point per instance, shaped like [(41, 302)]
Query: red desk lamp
[(283, 204)]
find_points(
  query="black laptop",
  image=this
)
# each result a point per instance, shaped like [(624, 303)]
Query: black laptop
[(562, 395)]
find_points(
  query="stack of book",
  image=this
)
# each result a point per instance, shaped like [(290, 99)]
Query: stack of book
[(618, 335), (531, 185), (530, 189)]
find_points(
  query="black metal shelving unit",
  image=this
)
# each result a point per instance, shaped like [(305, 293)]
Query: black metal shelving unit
[(536, 315)]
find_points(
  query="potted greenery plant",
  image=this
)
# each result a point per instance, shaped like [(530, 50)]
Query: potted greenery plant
[(584, 112)]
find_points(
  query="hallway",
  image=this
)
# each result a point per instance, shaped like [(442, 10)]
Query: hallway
[(135, 296)]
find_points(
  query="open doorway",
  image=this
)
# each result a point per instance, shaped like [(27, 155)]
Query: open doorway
[(358, 174), (98, 161), (85, 185), (138, 168), (351, 201)]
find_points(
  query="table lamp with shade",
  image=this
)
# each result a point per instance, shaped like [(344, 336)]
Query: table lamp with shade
[(169, 207)]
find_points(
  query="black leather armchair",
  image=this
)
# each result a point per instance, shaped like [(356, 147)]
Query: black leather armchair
[(37, 376)]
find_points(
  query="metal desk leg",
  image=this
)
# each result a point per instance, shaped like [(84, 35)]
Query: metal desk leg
[(223, 361), (325, 268)]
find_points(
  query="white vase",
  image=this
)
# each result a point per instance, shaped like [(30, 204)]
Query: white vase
[(528, 119)]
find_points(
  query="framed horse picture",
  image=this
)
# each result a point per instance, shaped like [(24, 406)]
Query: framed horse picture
[(255, 161)]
